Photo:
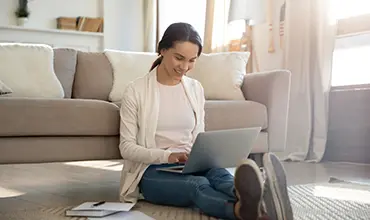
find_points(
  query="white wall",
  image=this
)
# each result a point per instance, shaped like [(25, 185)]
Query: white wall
[(124, 25), (44, 12), (123, 19)]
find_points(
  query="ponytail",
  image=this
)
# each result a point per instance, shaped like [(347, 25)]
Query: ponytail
[(156, 63)]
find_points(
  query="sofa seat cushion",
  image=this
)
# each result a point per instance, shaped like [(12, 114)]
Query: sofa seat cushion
[(58, 117), (234, 114)]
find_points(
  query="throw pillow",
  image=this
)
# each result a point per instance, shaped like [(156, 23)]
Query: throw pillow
[(28, 70), (221, 74), (94, 76), (4, 90), (127, 66)]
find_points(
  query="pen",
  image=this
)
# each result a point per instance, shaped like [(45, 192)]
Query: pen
[(98, 203)]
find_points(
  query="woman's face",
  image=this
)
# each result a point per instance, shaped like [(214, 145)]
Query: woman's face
[(179, 59)]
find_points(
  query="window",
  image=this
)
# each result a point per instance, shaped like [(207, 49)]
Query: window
[(351, 65), (342, 9), (190, 11)]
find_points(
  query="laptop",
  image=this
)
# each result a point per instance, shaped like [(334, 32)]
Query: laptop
[(217, 149)]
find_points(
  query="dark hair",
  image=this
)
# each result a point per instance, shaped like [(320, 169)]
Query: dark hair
[(177, 32)]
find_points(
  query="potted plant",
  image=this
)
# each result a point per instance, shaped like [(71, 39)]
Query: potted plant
[(22, 12)]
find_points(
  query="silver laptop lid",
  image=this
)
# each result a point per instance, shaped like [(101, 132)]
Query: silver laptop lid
[(221, 148)]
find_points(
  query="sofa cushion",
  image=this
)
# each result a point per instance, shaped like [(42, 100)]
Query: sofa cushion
[(29, 71), (57, 117), (94, 76), (127, 66), (221, 74), (65, 68), (234, 114)]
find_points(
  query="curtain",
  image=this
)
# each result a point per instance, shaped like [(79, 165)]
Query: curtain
[(215, 36), (308, 51), (150, 25)]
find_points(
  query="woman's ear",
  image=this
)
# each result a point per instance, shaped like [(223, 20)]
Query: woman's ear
[(162, 52)]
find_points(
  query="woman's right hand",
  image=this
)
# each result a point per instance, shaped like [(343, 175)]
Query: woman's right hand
[(178, 158)]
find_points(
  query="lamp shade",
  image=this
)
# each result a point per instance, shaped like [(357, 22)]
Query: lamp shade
[(250, 10)]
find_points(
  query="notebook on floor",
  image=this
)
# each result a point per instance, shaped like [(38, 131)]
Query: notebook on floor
[(131, 215), (88, 210)]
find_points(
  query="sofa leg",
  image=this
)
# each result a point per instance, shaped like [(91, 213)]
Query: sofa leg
[(257, 157)]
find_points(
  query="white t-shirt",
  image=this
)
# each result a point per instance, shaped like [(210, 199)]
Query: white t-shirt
[(176, 119)]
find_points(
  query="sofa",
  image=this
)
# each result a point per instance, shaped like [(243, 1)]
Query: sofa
[(84, 124)]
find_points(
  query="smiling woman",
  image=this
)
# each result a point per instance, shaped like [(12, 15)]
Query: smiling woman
[(180, 46), (177, 61), (162, 114)]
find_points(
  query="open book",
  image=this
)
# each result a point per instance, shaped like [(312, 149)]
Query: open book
[(88, 210)]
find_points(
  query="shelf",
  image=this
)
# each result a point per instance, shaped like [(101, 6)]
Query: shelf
[(56, 31)]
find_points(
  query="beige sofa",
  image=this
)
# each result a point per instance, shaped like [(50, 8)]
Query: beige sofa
[(85, 125)]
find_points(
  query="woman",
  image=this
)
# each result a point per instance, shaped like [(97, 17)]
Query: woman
[(161, 115)]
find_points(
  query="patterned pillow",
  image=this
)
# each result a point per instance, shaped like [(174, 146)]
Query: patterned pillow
[(4, 89)]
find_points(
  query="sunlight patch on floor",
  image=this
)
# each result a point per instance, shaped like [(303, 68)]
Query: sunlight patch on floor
[(7, 193), (339, 193), (105, 165)]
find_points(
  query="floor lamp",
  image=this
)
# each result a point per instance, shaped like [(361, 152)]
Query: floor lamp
[(252, 12)]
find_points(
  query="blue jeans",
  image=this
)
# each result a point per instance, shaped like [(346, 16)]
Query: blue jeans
[(212, 192)]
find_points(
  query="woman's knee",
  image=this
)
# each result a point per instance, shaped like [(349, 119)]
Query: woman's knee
[(217, 172), (199, 182)]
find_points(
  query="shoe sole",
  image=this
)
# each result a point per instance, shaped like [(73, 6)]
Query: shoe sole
[(249, 189), (274, 170)]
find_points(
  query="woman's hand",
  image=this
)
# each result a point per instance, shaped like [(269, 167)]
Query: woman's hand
[(178, 158)]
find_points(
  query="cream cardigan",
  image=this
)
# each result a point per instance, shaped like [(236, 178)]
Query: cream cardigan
[(139, 114)]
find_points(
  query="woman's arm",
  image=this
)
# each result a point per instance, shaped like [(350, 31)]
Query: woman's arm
[(129, 148), (202, 104)]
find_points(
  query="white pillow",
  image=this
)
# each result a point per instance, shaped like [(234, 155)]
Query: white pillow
[(127, 66), (28, 69), (221, 74), (4, 90)]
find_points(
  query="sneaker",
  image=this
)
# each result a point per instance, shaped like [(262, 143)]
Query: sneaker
[(270, 205), (248, 182), (276, 197)]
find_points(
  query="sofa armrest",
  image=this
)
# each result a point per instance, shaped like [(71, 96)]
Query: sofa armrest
[(271, 89)]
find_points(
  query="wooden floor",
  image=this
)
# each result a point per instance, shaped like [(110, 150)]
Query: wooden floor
[(29, 186)]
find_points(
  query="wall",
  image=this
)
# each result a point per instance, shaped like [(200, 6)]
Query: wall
[(124, 25), (44, 12), (123, 19), (266, 60)]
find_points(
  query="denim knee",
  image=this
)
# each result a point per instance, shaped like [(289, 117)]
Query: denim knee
[(214, 171), (199, 182)]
